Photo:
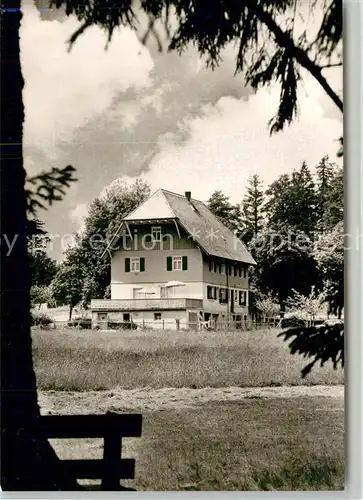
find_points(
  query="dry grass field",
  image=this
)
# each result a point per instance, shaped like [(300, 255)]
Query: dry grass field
[(206, 425), (254, 444), (93, 360)]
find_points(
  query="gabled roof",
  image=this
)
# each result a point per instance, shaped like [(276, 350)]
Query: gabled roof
[(155, 207), (198, 221)]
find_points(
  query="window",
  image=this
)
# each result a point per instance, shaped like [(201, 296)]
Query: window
[(230, 270), (156, 233), (236, 296), (242, 298), (235, 270), (209, 292), (240, 270), (215, 293), (126, 316), (157, 316), (210, 266), (223, 270), (223, 295), (177, 263), (135, 264)]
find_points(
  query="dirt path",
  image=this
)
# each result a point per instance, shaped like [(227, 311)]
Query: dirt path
[(147, 399)]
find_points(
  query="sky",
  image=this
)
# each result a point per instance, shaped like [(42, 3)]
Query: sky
[(130, 111)]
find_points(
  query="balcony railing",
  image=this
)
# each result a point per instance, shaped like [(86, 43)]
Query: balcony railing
[(144, 304)]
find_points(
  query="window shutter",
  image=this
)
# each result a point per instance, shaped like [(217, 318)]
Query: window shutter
[(142, 264), (127, 265), (169, 263), (185, 263), (215, 293)]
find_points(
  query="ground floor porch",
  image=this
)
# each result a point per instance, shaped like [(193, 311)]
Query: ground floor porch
[(170, 314)]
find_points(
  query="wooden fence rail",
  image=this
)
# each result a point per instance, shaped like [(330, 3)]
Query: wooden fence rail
[(112, 428)]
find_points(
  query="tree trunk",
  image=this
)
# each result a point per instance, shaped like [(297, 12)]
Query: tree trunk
[(282, 308), (27, 462), (340, 310), (70, 312)]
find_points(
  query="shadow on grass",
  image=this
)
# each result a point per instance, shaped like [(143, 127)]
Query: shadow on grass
[(322, 343)]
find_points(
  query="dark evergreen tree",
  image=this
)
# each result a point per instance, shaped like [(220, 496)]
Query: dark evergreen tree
[(330, 189), (292, 200), (252, 208), (277, 203), (226, 212)]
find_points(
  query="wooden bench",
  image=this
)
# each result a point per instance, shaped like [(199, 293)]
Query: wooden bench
[(112, 428)]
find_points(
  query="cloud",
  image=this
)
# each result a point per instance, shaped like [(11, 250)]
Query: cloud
[(63, 91), (230, 141), (78, 214), (130, 111)]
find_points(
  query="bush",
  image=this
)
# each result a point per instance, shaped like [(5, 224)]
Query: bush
[(126, 325), (40, 319), (81, 322), (292, 321)]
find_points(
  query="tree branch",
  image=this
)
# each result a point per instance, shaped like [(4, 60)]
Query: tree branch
[(284, 40), (333, 65)]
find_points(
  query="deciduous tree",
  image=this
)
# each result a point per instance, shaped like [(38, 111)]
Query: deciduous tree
[(103, 219), (329, 255), (285, 262), (67, 286)]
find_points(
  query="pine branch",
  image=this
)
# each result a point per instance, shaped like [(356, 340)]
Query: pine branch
[(283, 39)]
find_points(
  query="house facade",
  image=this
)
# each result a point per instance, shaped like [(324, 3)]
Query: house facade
[(175, 265)]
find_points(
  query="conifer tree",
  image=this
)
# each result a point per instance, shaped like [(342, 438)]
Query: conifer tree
[(252, 213)]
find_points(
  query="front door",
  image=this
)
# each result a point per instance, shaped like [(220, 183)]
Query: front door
[(102, 320)]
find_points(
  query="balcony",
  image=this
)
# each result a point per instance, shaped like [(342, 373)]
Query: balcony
[(145, 304)]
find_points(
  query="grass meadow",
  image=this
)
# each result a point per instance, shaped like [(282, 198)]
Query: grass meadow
[(257, 443), (83, 360)]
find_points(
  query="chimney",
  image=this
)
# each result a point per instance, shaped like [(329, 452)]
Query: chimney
[(188, 195)]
